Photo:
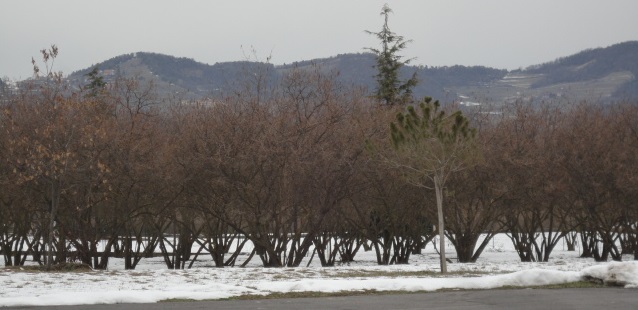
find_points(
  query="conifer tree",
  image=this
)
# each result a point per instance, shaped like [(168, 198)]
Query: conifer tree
[(96, 82), (430, 146), (390, 89)]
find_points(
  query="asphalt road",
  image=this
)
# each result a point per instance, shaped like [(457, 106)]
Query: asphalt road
[(564, 299)]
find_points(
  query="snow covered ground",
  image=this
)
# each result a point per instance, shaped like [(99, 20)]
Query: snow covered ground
[(151, 282)]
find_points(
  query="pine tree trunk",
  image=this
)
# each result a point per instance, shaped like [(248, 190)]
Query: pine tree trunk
[(439, 206)]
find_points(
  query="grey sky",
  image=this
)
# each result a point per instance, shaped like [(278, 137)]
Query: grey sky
[(497, 33)]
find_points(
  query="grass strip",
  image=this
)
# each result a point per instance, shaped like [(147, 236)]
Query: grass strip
[(313, 294)]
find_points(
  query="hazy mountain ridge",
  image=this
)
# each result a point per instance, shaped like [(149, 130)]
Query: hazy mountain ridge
[(600, 74), (608, 73), (593, 64), (589, 64)]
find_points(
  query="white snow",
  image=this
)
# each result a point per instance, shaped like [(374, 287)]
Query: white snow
[(615, 273), (151, 282), (520, 278)]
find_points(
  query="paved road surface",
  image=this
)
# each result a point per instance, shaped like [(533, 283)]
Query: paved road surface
[(564, 299)]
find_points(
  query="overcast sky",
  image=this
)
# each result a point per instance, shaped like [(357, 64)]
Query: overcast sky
[(504, 34)]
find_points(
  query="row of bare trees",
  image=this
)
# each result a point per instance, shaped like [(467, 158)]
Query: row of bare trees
[(282, 174), (562, 170)]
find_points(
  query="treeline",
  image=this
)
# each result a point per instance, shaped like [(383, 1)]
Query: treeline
[(110, 173), (203, 80)]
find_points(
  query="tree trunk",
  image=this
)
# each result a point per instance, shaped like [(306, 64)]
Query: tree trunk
[(349, 248), (570, 240), (51, 229), (439, 206)]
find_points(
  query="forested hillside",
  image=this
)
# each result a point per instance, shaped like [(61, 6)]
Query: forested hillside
[(604, 73), (592, 64), (351, 69)]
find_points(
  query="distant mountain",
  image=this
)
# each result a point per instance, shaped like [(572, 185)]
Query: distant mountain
[(596, 74), (620, 60), (174, 75)]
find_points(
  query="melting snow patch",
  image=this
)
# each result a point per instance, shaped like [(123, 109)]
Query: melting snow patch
[(152, 282), (616, 274)]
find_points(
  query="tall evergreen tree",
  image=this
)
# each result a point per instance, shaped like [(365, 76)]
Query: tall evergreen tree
[(3, 89), (96, 82), (390, 88)]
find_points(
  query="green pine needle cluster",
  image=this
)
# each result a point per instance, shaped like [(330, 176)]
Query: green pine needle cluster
[(413, 127)]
